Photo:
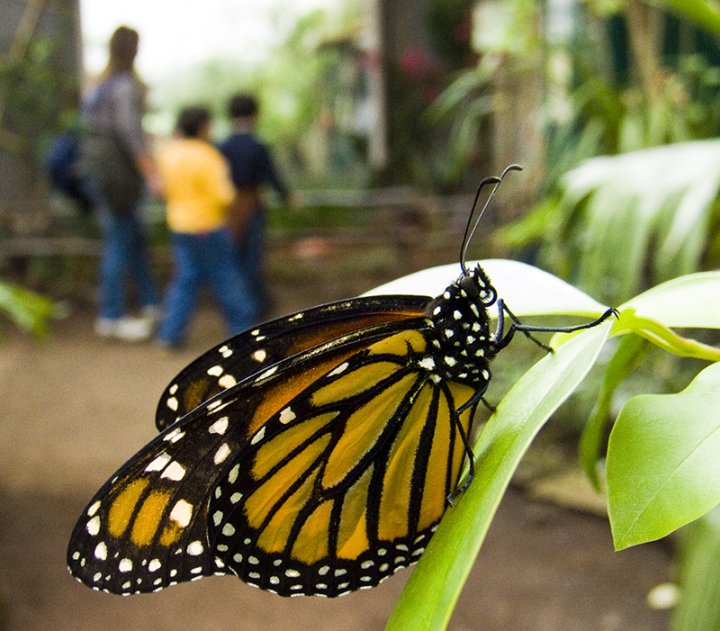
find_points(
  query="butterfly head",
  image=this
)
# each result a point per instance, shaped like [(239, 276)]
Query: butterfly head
[(475, 286)]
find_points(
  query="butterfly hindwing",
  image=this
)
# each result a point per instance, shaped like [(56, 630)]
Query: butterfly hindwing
[(242, 355), (146, 528), (346, 482)]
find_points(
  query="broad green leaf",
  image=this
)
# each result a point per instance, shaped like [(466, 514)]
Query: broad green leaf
[(527, 290), (673, 212), (434, 586), (663, 464), (592, 440), (687, 301)]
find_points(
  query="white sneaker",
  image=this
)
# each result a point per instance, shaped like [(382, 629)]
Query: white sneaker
[(151, 313), (126, 329)]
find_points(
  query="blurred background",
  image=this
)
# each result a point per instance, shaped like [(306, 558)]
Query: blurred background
[(383, 116)]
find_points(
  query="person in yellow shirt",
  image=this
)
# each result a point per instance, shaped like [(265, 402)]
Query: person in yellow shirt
[(198, 192)]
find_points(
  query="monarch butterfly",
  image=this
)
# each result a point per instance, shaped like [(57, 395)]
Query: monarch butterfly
[(312, 455)]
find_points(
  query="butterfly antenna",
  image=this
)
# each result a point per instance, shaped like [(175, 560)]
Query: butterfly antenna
[(473, 221)]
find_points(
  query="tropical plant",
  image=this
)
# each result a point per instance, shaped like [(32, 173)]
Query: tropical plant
[(662, 468), (656, 207)]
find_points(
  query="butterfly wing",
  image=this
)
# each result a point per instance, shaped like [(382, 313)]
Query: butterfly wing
[(345, 482), (339, 456), (240, 356)]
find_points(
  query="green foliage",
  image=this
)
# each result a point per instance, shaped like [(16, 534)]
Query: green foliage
[(292, 85), (704, 13), (463, 108), (699, 606), (33, 91), (26, 309), (661, 469), (656, 207), (504, 36)]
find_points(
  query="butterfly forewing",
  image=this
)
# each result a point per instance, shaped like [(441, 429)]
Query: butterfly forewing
[(239, 357)]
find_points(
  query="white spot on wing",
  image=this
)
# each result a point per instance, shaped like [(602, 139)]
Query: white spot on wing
[(195, 548), (175, 471), (93, 526), (259, 435), (101, 551), (174, 435), (159, 463), (428, 363), (227, 381), (287, 416), (215, 371), (338, 369), (219, 426), (221, 454), (182, 513)]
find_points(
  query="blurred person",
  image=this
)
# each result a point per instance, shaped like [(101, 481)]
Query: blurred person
[(198, 191), (251, 165), (116, 165)]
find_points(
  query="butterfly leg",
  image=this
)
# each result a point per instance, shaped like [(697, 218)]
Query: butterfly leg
[(502, 338), (471, 466), (468, 405)]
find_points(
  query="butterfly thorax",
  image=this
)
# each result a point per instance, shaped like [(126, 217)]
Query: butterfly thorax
[(462, 343)]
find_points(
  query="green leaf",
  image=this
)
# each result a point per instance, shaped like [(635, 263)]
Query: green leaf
[(623, 362), (434, 586), (687, 301), (673, 212), (664, 337), (28, 310), (663, 469), (704, 13)]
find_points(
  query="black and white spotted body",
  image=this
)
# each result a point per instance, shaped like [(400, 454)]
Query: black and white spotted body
[(463, 345)]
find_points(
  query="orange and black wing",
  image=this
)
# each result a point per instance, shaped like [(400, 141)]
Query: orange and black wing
[(244, 354), (320, 473)]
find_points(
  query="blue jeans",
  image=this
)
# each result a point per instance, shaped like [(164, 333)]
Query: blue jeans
[(125, 254), (250, 256), (201, 258)]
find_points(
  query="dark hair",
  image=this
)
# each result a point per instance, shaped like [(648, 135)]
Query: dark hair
[(242, 106), (123, 49), (191, 120)]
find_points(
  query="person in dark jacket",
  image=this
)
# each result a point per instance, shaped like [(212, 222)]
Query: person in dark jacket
[(251, 166)]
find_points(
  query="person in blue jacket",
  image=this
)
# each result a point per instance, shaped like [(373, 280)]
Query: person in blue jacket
[(251, 166)]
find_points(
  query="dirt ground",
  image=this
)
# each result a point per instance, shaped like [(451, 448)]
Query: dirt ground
[(75, 407)]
